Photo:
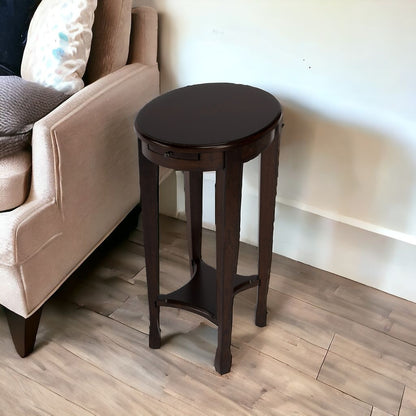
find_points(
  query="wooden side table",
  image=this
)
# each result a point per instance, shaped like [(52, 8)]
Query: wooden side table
[(210, 127)]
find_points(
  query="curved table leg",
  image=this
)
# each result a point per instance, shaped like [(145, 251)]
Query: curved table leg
[(268, 184), (227, 220), (149, 185)]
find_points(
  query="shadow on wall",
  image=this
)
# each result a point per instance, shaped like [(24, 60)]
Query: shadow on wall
[(347, 199), (168, 51), (347, 170)]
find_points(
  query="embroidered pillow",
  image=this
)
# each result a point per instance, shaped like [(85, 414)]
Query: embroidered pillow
[(58, 44), (15, 17)]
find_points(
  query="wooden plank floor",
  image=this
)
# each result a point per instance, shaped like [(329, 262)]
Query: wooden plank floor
[(331, 347)]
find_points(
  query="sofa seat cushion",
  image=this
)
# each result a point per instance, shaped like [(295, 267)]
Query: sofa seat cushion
[(15, 172)]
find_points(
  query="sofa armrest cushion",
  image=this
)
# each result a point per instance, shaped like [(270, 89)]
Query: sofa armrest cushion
[(144, 36), (22, 103)]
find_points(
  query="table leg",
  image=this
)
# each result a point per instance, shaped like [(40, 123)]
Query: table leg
[(149, 187), (193, 208), (227, 220), (268, 184)]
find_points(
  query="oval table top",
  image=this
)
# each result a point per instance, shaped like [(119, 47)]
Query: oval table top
[(208, 115)]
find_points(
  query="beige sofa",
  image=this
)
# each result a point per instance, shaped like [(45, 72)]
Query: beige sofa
[(80, 180)]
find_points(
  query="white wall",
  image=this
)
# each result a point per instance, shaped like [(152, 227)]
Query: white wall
[(344, 71)]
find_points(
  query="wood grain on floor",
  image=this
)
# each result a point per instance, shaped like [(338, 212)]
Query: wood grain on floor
[(332, 347)]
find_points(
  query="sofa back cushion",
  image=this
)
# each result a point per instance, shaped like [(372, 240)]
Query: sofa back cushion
[(15, 17), (111, 38)]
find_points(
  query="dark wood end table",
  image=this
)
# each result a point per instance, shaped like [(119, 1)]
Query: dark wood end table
[(210, 127)]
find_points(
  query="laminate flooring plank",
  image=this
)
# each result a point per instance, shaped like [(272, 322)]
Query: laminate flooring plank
[(114, 258), (279, 341), (101, 295), (312, 324), (308, 322), (192, 348), (408, 407), (348, 299), (262, 384), (344, 297), (194, 352), (85, 385), (357, 293), (403, 326), (124, 354), (289, 392), (313, 291), (374, 350), (338, 295), (20, 396), (134, 312), (92, 350), (242, 390), (295, 404), (300, 335), (103, 284), (402, 315), (196, 346), (284, 346), (124, 260), (314, 305), (362, 383), (175, 323), (368, 347), (289, 348), (378, 412), (303, 321)]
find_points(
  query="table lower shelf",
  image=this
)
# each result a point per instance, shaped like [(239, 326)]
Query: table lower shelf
[(199, 295)]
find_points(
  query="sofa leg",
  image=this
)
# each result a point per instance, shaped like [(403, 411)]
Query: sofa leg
[(23, 331)]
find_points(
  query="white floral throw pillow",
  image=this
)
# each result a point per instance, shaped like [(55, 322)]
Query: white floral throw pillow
[(58, 44)]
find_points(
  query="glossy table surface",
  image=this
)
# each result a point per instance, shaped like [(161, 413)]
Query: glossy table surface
[(208, 115)]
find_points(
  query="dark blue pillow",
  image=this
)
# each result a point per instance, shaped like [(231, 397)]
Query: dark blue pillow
[(15, 16)]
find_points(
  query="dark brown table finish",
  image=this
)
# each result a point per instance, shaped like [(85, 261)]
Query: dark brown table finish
[(210, 127)]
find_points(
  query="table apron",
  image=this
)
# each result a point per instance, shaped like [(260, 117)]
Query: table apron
[(178, 158)]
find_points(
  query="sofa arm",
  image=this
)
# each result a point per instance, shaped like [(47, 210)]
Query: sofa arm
[(143, 38), (88, 118), (84, 161)]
